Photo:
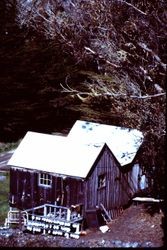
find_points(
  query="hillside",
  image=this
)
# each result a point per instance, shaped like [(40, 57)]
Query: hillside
[(101, 61)]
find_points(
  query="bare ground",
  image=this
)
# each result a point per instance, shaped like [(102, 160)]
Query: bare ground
[(135, 227)]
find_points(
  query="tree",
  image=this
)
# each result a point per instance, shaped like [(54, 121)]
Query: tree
[(116, 53)]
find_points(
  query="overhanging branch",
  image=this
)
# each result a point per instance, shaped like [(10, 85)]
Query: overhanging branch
[(101, 92)]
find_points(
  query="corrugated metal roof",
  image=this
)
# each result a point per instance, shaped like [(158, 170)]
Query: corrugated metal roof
[(123, 142), (55, 154)]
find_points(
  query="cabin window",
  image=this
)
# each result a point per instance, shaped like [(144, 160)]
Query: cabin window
[(101, 180), (45, 180)]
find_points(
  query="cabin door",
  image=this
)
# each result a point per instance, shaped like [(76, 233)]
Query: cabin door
[(101, 196), (59, 192), (101, 190)]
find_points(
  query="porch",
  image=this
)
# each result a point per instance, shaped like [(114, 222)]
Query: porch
[(49, 219)]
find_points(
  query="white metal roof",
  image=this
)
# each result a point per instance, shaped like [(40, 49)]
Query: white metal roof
[(57, 154), (123, 142), (75, 154)]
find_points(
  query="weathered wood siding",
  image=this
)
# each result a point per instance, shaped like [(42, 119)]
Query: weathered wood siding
[(120, 185), (117, 191), (26, 193)]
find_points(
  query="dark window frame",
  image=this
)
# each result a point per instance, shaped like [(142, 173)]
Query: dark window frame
[(101, 181)]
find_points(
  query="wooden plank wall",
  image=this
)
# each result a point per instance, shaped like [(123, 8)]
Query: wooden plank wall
[(27, 193), (117, 191)]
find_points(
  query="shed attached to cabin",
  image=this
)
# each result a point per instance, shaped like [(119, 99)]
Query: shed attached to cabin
[(95, 165)]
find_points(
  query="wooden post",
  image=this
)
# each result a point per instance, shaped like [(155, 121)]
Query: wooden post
[(20, 222), (68, 214), (12, 199), (77, 227), (45, 210)]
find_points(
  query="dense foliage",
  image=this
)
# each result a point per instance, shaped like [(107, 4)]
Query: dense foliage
[(97, 60)]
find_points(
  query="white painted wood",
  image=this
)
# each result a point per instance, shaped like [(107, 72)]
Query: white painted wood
[(146, 199)]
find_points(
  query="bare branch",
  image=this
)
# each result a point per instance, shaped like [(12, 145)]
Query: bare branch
[(101, 57), (155, 56), (83, 99), (135, 8), (148, 96), (68, 89), (94, 93), (90, 50), (112, 64), (44, 18)]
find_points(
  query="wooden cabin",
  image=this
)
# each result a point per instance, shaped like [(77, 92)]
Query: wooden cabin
[(94, 166)]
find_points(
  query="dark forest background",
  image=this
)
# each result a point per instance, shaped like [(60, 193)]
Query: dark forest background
[(100, 60)]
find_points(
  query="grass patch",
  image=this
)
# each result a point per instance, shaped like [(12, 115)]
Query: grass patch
[(4, 193), (7, 146)]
